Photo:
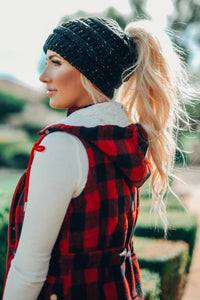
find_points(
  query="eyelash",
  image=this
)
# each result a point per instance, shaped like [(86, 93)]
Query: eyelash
[(56, 62)]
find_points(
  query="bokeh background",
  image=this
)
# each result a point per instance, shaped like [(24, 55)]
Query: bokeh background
[(24, 110)]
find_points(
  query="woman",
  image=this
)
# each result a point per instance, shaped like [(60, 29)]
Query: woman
[(78, 200)]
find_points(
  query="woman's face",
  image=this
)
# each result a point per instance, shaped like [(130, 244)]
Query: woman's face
[(63, 81)]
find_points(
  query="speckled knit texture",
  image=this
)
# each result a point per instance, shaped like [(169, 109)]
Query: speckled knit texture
[(97, 47)]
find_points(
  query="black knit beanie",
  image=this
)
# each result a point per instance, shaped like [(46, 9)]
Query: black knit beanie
[(97, 47)]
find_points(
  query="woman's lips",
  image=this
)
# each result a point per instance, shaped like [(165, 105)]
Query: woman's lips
[(51, 92)]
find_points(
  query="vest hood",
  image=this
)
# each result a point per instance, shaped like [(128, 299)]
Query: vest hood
[(124, 146)]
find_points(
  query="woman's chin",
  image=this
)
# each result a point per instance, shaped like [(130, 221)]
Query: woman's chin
[(55, 105)]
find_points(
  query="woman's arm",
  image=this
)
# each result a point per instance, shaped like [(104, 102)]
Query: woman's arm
[(57, 175)]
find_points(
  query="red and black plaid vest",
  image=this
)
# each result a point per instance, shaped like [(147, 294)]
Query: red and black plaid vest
[(93, 256)]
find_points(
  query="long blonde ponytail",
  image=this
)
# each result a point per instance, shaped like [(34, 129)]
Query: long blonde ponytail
[(154, 96)]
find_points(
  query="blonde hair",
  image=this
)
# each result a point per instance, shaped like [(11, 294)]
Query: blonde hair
[(154, 96), (94, 92)]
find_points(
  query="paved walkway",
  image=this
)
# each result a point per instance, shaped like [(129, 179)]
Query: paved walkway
[(190, 192)]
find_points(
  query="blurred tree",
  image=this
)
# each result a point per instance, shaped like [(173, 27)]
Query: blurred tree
[(112, 13), (185, 25), (186, 22), (187, 12), (78, 14), (138, 8)]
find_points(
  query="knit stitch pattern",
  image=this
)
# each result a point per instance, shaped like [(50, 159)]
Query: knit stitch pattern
[(97, 47)]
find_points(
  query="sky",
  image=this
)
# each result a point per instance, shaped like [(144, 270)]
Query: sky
[(25, 25)]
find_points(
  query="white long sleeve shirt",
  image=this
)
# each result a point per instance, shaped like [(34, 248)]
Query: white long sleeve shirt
[(57, 175)]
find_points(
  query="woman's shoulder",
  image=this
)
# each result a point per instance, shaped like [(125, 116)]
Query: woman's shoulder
[(61, 141)]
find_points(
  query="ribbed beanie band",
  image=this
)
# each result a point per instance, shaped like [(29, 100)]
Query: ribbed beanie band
[(97, 47)]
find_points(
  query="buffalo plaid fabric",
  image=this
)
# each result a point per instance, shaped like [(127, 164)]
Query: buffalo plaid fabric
[(93, 257)]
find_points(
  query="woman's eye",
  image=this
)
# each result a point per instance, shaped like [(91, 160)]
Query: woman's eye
[(56, 62)]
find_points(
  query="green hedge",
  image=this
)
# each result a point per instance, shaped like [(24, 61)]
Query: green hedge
[(14, 157), (150, 284), (32, 130), (15, 148), (182, 227), (169, 259), (10, 104), (186, 140)]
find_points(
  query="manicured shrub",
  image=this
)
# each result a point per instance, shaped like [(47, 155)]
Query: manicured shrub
[(15, 157), (15, 148), (186, 141), (3, 160), (182, 227), (19, 159), (150, 284), (181, 157), (10, 104), (32, 130), (169, 259)]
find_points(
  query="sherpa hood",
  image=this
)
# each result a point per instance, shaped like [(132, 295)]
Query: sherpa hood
[(125, 146)]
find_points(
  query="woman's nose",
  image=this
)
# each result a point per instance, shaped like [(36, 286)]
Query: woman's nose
[(44, 77)]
